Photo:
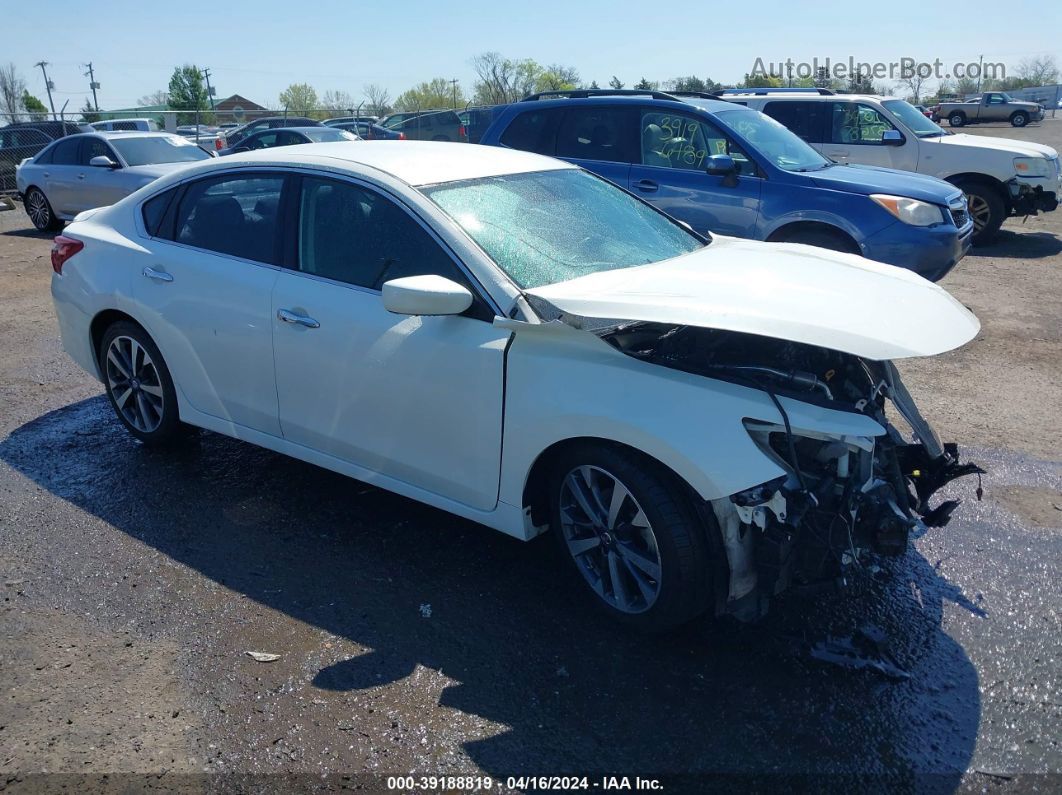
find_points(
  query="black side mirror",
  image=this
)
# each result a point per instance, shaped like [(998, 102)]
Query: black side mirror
[(725, 167), (892, 138)]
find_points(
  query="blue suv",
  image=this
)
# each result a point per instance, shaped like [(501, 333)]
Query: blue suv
[(726, 169)]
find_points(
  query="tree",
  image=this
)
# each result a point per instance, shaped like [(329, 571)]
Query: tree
[(89, 113), (645, 85), (594, 86), (692, 83), (1040, 70), (33, 106), (337, 100), (436, 93), (501, 80), (12, 87), (378, 98), (965, 85), (299, 99), (556, 77), (188, 93), (616, 83), (859, 83), (761, 81), (915, 83), (159, 97)]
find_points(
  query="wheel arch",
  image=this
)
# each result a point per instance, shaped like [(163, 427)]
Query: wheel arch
[(982, 179), (102, 321), (825, 227)]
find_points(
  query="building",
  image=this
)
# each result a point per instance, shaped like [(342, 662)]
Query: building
[(238, 109)]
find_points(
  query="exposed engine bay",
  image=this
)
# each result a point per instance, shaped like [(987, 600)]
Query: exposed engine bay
[(844, 498)]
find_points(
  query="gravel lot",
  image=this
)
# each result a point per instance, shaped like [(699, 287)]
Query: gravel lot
[(413, 642)]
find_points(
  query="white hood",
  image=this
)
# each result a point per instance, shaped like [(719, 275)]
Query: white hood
[(1007, 145), (782, 290)]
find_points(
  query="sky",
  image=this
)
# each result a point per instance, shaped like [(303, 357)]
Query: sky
[(257, 48)]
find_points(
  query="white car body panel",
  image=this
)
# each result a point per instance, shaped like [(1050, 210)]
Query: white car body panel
[(784, 290)]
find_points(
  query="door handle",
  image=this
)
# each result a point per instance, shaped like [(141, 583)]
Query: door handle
[(646, 185), (287, 316), (80, 176), (159, 276)]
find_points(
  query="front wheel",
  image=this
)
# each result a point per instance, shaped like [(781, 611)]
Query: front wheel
[(986, 209), (40, 212), (138, 384), (628, 528), (1019, 119)]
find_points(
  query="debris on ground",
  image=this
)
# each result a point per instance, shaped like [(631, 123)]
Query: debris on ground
[(863, 649), (425, 610), (262, 656)]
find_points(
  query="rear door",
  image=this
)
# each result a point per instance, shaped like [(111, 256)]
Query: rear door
[(672, 175), (600, 138), (60, 176)]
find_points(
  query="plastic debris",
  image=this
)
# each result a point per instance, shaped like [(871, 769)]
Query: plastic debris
[(425, 610), (864, 649), (262, 656)]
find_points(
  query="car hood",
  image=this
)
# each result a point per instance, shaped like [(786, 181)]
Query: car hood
[(783, 290), (874, 179), (156, 170), (1007, 145)]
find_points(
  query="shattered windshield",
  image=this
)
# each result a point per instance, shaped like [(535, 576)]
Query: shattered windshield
[(546, 227)]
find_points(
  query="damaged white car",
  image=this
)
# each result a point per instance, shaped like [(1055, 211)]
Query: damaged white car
[(700, 423)]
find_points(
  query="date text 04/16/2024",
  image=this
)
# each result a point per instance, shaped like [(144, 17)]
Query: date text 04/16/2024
[(538, 783)]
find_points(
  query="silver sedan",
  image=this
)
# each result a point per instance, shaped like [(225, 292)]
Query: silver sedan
[(80, 172)]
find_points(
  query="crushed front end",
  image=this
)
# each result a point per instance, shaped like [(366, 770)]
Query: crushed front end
[(843, 498)]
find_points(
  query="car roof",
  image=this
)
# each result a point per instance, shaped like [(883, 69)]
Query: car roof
[(112, 134), (810, 96), (710, 105), (296, 129), (414, 162)]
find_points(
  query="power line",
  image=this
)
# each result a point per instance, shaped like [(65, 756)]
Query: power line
[(93, 85)]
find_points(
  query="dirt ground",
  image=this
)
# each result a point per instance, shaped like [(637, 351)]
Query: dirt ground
[(414, 643)]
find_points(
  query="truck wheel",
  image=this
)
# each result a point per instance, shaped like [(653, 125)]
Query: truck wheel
[(1019, 119), (627, 528), (957, 119), (987, 210)]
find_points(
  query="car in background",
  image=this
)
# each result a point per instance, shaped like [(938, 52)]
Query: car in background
[(477, 120), (1001, 177), (437, 125), (346, 119), (201, 130), (233, 138), (113, 125), (699, 423), (17, 144), (290, 136), (990, 106), (924, 111), (53, 129), (79, 172), (369, 131), (726, 169)]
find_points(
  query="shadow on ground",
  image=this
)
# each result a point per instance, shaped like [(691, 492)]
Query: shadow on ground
[(526, 651), (1020, 245)]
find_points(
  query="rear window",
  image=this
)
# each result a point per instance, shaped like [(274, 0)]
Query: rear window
[(597, 133), (806, 119), (533, 131)]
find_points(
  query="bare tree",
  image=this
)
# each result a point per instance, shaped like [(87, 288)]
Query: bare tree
[(915, 83), (1040, 70), (337, 100), (159, 97), (378, 98), (496, 74), (12, 87)]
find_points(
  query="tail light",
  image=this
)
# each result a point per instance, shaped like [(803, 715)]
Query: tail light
[(63, 249), (218, 144), (401, 136), (461, 132)]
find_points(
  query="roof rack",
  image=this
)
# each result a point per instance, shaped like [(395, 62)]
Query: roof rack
[(583, 93), (759, 92), (697, 94)]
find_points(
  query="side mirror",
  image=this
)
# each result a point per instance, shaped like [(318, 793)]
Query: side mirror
[(892, 138), (425, 295), (102, 161), (721, 165)]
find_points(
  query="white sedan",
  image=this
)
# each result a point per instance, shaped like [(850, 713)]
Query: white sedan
[(501, 335)]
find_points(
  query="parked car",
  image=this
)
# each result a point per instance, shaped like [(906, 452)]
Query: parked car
[(233, 138), (197, 130), (437, 125), (476, 121), (348, 119), (17, 144), (53, 129), (112, 125), (767, 368), (290, 136), (1001, 177), (726, 169), (992, 106), (370, 131), (89, 170)]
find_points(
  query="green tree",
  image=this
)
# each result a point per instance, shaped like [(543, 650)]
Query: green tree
[(34, 107), (88, 112), (859, 83), (501, 79), (645, 85), (761, 81), (557, 77), (594, 86), (692, 83), (187, 92), (436, 93), (616, 83), (299, 99)]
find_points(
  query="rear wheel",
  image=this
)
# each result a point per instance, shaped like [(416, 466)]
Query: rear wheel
[(138, 385), (986, 209), (1019, 119), (40, 211), (627, 527), (957, 119)]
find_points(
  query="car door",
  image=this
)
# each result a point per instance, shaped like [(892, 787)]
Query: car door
[(203, 289), (856, 132), (993, 107), (418, 399), (60, 176), (600, 138), (671, 174), (97, 186)]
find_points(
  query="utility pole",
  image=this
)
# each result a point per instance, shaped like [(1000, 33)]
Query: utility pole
[(980, 71), (454, 84), (93, 85), (48, 84), (210, 91)]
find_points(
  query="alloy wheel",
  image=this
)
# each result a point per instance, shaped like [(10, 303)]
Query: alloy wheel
[(610, 539), (134, 384), (979, 211), (37, 208)]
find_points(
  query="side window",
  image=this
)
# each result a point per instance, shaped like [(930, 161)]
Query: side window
[(154, 211), (288, 138), (355, 235), (234, 215), (995, 99), (262, 141), (533, 131), (595, 133), (65, 152), (93, 147), (803, 118), (856, 123), (674, 140)]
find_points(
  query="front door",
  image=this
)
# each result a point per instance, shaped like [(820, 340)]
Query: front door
[(95, 186), (418, 399), (671, 174), (855, 135)]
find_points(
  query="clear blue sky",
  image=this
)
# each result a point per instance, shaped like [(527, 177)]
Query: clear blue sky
[(257, 48)]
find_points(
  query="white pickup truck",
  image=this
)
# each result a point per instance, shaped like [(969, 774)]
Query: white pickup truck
[(1001, 177)]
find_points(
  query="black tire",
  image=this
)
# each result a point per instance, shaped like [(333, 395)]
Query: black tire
[(984, 202), (834, 241), (957, 119), (683, 590), (161, 426), (1019, 119), (40, 211)]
